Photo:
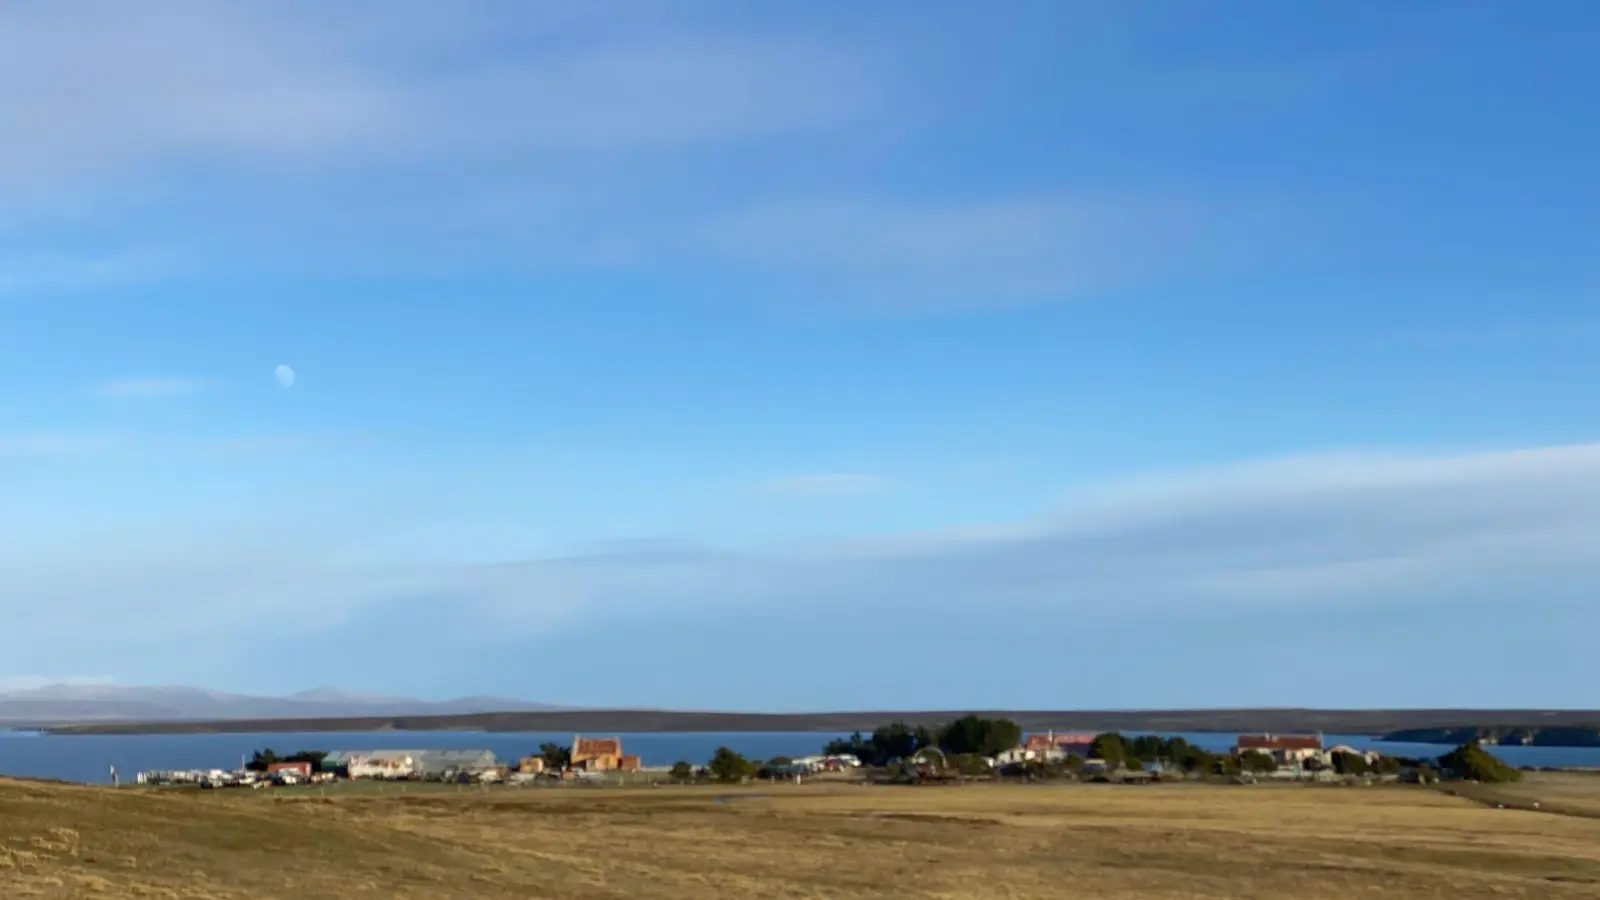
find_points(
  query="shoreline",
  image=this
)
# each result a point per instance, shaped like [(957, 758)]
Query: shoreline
[(1376, 724)]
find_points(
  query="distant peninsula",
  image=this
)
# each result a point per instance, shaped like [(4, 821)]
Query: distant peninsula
[(1524, 735), (1434, 726)]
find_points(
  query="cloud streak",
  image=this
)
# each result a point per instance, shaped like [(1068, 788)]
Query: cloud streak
[(1304, 537), (290, 85), (646, 141)]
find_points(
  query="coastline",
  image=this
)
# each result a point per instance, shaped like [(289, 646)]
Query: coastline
[(1380, 724)]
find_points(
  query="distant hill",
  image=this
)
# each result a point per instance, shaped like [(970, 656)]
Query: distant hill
[(94, 703), (1525, 735), (1238, 721)]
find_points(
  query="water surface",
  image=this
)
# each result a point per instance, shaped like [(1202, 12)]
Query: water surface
[(89, 758)]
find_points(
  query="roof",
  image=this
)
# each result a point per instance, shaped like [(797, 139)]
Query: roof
[(597, 747), (440, 760), (343, 757), (1279, 742), (1064, 739), (426, 759)]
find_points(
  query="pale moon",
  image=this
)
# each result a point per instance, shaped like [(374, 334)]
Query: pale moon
[(285, 376)]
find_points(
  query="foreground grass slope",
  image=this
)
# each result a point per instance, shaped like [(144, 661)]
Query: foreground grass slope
[(974, 841)]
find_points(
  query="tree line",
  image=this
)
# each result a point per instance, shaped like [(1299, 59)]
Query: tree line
[(262, 760), (968, 735)]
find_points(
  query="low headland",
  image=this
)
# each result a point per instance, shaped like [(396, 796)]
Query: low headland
[(1446, 726), (1525, 735)]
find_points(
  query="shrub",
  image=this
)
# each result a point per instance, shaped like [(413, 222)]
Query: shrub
[(726, 765), (1473, 763), (969, 764), (1256, 761), (1225, 764), (1350, 764)]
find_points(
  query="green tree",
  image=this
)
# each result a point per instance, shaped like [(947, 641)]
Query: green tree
[(1350, 764), (1389, 765), (1153, 748), (682, 770), (896, 741), (1109, 747), (1175, 750), (985, 737), (1193, 759), (261, 760), (726, 765), (855, 745), (1473, 763), (1256, 761), (556, 757)]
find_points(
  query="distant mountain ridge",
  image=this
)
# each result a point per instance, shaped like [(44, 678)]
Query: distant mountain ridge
[(59, 704)]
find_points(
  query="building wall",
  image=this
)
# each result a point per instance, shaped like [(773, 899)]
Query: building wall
[(381, 767)]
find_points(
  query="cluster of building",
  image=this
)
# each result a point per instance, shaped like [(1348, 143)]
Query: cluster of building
[(424, 765), (1293, 751), (589, 757), (277, 774), (1049, 747), (1289, 751)]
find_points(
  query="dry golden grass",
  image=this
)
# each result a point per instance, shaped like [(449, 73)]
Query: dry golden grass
[(947, 842), (1564, 792)]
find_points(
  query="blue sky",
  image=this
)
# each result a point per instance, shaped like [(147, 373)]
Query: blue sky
[(804, 355)]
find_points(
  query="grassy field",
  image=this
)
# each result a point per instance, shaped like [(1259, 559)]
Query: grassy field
[(947, 842), (1561, 792)]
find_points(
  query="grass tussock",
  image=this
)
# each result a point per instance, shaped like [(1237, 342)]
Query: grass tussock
[(953, 842)]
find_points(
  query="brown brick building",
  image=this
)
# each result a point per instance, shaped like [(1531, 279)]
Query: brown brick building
[(601, 755)]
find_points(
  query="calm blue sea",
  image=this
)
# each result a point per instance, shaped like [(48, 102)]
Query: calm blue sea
[(89, 758)]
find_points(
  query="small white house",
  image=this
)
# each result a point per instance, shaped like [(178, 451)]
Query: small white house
[(1013, 756)]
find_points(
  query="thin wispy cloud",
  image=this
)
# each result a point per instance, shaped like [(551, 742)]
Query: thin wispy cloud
[(148, 388), (915, 254), (825, 484), (1278, 538), (605, 148), (290, 86)]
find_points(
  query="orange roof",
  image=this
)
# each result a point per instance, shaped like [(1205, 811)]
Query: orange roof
[(597, 747), (1065, 739)]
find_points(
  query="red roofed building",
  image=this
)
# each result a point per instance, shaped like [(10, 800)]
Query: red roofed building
[(1287, 749), (1051, 744), (597, 754)]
